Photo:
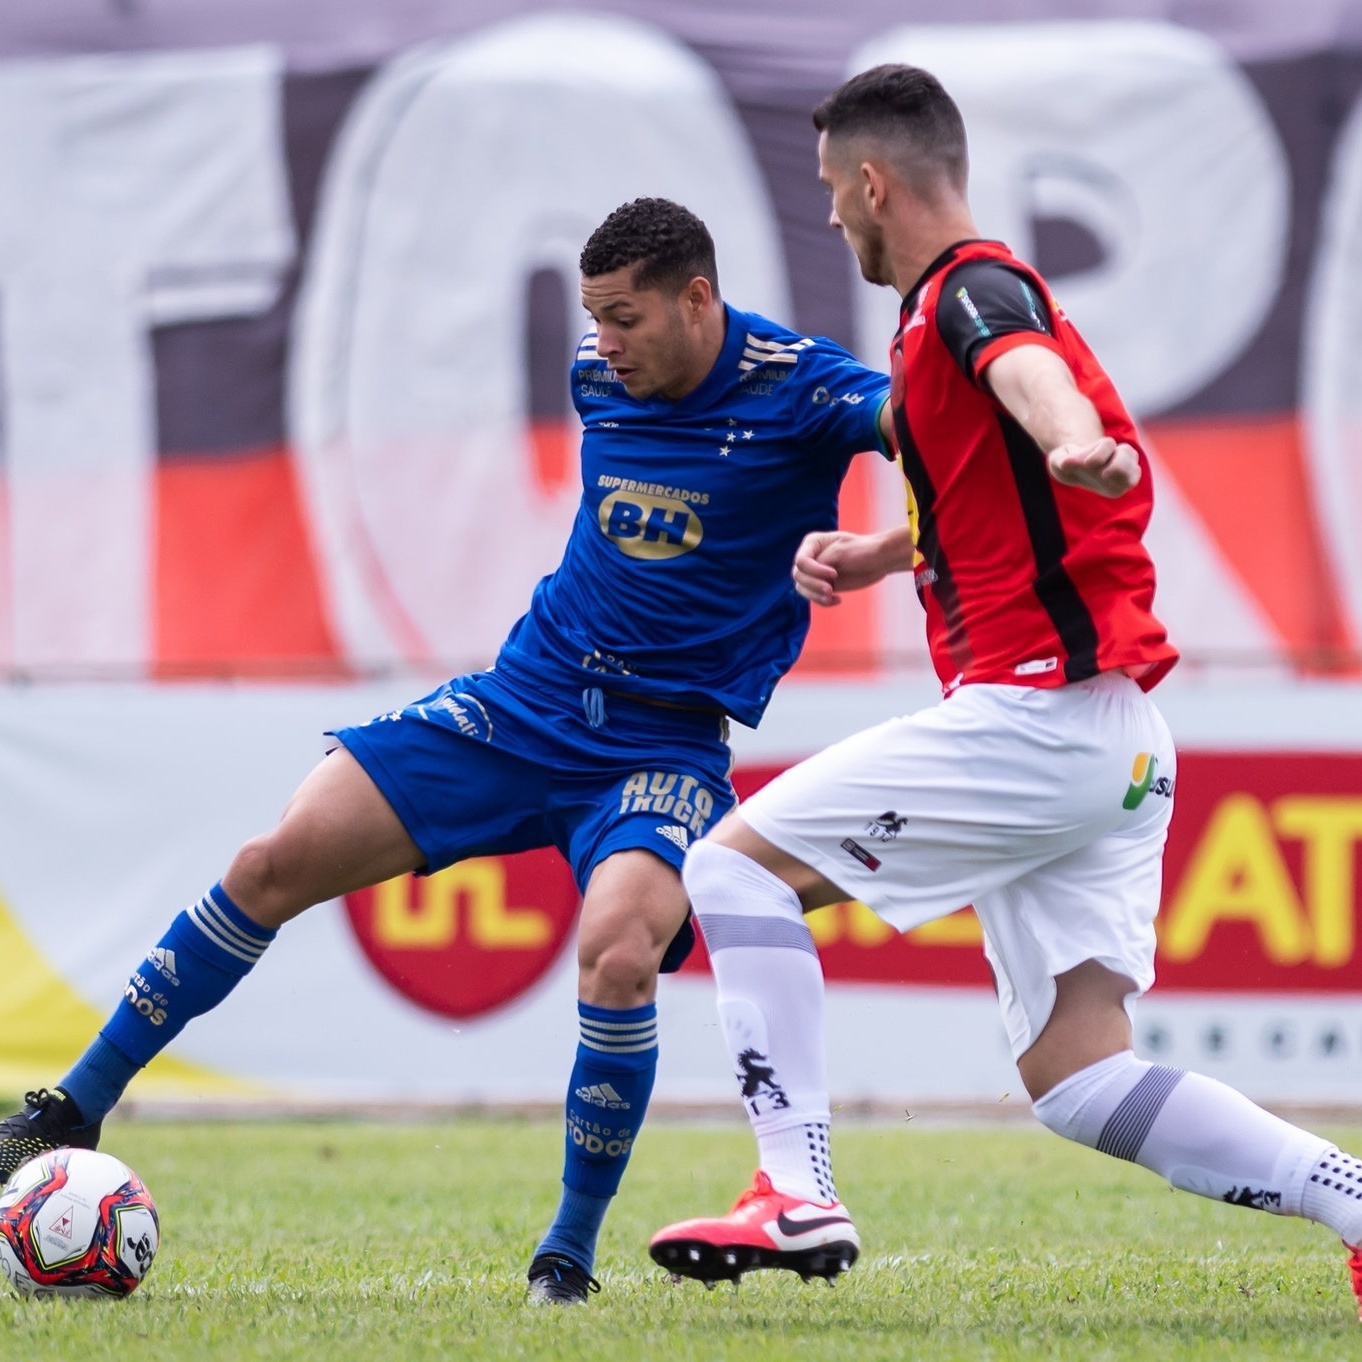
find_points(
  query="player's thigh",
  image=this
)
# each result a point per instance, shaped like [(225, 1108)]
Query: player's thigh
[(665, 798), (634, 905), (338, 834), (456, 795), (1097, 903), (625, 832), (1089, 1022)]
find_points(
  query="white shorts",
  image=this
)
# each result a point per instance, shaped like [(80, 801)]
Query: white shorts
[(1045, 809)]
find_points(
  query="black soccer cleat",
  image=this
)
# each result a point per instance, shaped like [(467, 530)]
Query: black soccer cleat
[(49, 1120), (556, 1280)]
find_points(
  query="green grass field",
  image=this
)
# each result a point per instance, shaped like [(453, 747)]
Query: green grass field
[(348, 1240)]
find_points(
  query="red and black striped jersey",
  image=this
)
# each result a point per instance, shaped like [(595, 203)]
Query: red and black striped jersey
[(1024, 581)]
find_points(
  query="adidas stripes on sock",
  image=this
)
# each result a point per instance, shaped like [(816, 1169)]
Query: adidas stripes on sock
[(770, 996), (208, 950), (607, 1099), (1207, 1138)]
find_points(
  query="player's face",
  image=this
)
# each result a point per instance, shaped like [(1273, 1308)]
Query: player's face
[(645, 335), (850, 211)]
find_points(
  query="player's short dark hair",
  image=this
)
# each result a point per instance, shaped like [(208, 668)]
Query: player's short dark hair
[(905, 107), (668, 244)]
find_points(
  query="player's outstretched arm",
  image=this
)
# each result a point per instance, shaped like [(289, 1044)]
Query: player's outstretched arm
[(830, 562), (1037, 388), (1104, 466)]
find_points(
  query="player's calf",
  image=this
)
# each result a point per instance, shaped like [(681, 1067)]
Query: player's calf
[(1204, 1137)]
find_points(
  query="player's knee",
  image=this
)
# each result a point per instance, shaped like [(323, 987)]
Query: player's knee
[(1079, 1106), (705, 867), (259, 883), (715, 871), (619, 955), (619, 973)]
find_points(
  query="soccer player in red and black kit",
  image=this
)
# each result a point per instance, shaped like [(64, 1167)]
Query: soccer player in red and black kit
[(1039, 790)]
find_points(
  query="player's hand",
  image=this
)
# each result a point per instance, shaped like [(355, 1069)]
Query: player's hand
[(830, 562), (1105, 466)]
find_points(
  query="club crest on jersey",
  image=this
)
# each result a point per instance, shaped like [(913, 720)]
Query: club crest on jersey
[(642, 525)]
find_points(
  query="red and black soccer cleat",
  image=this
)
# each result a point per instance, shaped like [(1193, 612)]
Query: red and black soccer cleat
[(765, 1228), (1355, 1274)]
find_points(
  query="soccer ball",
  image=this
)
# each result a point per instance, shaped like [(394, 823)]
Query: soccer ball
[(74, 1222)]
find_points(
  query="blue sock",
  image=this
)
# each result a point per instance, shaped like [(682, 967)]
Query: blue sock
[(208, 950), (608, 1094)]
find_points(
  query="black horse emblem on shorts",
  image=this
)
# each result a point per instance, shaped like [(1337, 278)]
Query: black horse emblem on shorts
[(887, 826), (757, 1075)]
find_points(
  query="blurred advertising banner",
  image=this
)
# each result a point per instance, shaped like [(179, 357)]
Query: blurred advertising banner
[(301, 283), (123, 803)]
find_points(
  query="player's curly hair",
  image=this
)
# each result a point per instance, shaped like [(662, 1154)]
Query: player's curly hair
[(667, 242), (906, 107)]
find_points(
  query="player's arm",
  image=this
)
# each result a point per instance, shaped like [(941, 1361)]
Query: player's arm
[(886, 424), (1036, 386), (1000, 329), (830, 562)]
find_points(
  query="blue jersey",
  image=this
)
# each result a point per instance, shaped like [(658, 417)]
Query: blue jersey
[(675, 583)]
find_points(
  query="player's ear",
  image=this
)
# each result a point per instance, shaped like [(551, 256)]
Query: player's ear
[(697, 297), (874, 185)]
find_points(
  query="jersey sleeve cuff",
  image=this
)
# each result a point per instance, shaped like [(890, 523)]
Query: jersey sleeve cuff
[(987, 353), (883, 444)]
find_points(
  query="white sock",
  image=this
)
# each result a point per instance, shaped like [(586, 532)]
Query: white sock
[(798, 1161), (770, 995), (1332, 1195), (1205, 1137)]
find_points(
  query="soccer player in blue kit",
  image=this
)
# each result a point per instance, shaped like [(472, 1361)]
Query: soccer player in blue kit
[(713, 441)]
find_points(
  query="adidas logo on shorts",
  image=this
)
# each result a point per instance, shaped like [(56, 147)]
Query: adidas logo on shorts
[(602, 1095), (673, 833)]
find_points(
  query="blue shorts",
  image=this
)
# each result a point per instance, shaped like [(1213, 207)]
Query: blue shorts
[(488, 765)]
